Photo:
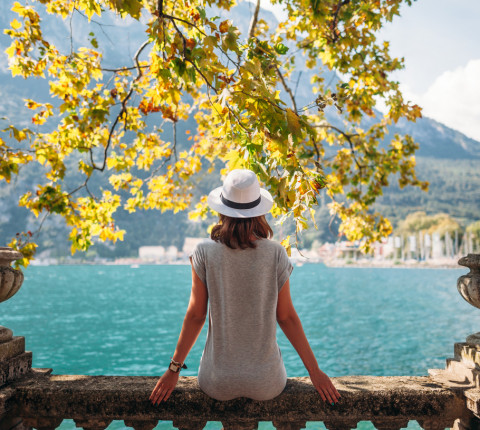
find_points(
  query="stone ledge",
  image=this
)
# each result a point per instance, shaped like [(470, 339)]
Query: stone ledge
[(123, 397)]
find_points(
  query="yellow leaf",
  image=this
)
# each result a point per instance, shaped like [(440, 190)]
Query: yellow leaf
[(224, 26), (286, 244), (10, 51), (18, 8), (15, 24), (293, 122)]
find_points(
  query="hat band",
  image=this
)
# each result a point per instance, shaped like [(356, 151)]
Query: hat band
[(235, 205)]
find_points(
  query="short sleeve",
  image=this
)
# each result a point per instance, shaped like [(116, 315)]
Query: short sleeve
[(284, 268), (197, 258)]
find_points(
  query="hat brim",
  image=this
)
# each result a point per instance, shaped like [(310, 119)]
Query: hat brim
[(265, 205)]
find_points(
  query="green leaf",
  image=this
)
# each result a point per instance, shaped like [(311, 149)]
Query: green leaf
[(281, 49)]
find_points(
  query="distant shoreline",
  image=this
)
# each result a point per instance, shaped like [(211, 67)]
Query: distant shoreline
[(409, 264), (334, 264)]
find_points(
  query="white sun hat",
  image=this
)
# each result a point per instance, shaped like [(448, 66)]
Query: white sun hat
[(240, 196)]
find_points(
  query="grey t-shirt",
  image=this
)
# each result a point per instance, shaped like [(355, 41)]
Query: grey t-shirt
[(241, 356)]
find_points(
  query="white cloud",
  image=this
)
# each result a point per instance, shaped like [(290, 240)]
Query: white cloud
[(454, 99)]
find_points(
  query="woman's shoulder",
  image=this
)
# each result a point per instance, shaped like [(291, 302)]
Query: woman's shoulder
[(205, 245), (273, 245)]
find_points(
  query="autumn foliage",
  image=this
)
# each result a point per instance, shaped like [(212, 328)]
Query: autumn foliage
[(236, 86)]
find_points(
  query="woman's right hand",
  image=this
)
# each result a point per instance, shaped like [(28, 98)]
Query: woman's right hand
[(324, 386), (164, 387)]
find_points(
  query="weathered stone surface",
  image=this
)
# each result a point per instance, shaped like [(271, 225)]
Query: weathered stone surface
[(13, 423), (463, 371), (189, 424), (41, 423), (141, 425), (468, 354), (289, 425), (15, 367), (473, 339), (340, 424), (234, 424), (435, 423), (390, 423), (470, 423), (6, 400), (93, 424), (124, 398), (473, 400), (12, 348), (5, 334)]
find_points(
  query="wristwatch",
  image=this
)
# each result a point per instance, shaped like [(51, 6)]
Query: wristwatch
[(175, 366)]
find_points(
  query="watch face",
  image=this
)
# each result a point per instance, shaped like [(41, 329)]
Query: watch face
[(173, 368)]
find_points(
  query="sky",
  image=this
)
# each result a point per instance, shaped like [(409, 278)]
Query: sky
[(440, 42)]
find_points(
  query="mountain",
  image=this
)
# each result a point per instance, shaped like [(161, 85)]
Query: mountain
[(439, 141), (446, 157)]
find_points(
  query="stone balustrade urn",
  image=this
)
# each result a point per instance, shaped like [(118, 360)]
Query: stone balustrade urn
[(469, 285), (10, 279)]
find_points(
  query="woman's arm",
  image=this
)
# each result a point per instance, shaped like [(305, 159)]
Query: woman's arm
[(291, 325), (192, 326)]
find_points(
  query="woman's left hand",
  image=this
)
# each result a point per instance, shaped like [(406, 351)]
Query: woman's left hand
[(164, 387)]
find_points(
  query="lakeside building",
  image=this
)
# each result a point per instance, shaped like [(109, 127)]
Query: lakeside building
[(151, 253), (158, 254)]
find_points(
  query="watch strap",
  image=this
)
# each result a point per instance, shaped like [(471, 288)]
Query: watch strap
[(176, 366)]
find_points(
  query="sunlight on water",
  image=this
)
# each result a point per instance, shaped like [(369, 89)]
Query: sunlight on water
[(115, 320)]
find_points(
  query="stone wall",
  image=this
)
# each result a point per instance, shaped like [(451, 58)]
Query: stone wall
[(43, 401)]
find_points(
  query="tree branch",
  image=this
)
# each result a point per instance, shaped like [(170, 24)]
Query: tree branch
[(121, 69), (175, 139), (298, 81), (172, 18), (253, 22), (333, 25), (287, 89), (122, 111), (348, 137)]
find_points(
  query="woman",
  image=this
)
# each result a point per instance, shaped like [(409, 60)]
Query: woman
[(245, 277)]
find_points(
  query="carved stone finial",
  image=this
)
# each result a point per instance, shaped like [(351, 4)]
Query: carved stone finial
[(469, 285)]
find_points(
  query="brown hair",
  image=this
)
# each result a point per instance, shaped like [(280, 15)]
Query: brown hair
[(240, 232)]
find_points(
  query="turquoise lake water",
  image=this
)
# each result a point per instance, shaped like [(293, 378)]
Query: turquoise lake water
[(118, 320)]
